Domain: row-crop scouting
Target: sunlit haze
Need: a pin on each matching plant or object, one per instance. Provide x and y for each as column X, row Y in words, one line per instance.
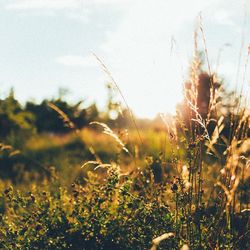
column 146, row 45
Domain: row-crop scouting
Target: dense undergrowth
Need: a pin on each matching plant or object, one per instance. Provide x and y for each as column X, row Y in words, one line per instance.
column 96, row 216
column 118, row 213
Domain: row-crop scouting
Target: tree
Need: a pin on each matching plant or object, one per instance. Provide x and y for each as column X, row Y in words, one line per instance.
column 13, row 117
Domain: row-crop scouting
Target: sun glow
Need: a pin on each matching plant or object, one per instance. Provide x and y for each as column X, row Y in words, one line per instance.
column 147, row 46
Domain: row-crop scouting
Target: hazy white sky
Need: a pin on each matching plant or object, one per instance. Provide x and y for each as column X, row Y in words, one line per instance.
column 47, row 44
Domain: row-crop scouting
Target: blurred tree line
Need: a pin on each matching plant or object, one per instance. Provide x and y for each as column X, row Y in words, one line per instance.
column 21, row 122
column 40, row 117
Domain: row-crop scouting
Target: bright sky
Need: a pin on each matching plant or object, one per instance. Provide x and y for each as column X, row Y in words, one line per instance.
column 47, row 44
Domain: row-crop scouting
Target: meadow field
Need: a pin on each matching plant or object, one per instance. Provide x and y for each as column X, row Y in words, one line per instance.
column 76, row 177
column 81, row 180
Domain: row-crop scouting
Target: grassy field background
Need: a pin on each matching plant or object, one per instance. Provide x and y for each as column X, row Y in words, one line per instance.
column 78, row 178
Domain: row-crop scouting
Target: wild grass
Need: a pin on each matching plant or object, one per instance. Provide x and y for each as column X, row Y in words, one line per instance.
column 184, row 186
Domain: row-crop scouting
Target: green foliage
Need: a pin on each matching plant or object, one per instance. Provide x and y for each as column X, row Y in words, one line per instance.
column 94, row 216
column 48, row 120
column 14, row 118
column 17, row 120
column 117, row 213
